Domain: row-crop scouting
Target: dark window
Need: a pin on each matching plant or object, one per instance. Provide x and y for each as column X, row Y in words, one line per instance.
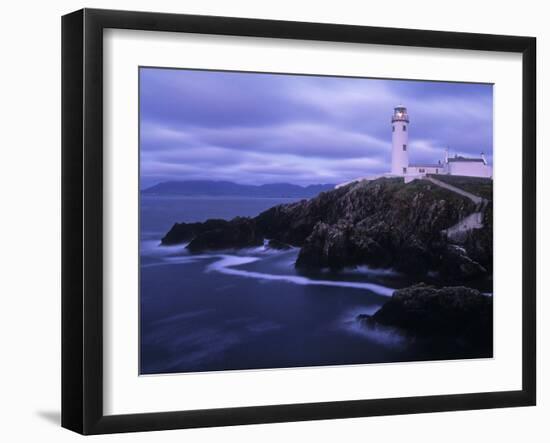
column 404, row 147
column 437, row 171
column 404, row 127
column 421, row 170
column 393, row 128
column 404, row 170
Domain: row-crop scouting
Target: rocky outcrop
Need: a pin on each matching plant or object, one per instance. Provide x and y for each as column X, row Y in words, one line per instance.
column 460, row 314
column 185, row 232
column 379, row 223
column 457, row 266
column 342, row 244
column 239, row 233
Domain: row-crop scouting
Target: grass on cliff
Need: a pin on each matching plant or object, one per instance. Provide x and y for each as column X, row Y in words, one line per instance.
column 406, row 192
column 480, row 186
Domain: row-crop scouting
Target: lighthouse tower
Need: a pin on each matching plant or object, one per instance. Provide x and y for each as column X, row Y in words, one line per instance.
column 400, row 140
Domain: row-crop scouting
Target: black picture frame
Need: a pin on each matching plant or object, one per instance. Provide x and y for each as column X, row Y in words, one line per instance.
column 82, row 219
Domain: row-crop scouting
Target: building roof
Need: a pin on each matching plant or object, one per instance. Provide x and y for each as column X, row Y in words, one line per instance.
column 461, row 159
column 440, row 165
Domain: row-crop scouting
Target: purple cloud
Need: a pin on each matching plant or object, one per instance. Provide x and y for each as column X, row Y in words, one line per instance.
column 264, row 128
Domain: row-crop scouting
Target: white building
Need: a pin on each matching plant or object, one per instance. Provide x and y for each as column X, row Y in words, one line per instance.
column 400, row 166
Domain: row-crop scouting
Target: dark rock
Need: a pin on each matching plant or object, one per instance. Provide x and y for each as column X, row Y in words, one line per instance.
column 240, row 232
column 185, row 232
column 413, row 258
column 457, row 266
column 460, row 313
column 326, row 246
column 276, row 244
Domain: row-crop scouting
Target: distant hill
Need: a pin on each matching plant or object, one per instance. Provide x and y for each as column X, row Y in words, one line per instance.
column 226, row 188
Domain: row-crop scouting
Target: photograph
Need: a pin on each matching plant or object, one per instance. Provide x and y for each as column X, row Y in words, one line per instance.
column 292, row 220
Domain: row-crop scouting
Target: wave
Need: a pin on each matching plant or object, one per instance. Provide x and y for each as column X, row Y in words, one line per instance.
column 383, row 335
column 379, row 334
column 365, row 270
column 226, row 265
column 175, row 260
column 154, row 248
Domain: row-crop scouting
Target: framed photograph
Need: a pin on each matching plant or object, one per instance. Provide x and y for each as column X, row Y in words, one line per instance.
column 269, row 221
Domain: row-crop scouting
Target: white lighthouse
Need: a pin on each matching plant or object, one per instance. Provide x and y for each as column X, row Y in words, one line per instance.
column 400, row 166
column 400, row 140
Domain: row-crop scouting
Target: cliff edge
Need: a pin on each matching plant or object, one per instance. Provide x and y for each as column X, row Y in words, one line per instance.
column 383, row 223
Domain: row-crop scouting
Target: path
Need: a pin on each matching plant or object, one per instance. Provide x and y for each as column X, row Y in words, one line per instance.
column 476, row 199
column 473, row 221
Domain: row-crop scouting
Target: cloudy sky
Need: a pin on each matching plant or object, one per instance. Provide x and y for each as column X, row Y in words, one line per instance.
column 267, row 128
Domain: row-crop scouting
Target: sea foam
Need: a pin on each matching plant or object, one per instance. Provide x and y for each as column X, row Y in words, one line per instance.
column 226, row 265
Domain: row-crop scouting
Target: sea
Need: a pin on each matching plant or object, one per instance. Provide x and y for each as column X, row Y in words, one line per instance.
column 250, row 308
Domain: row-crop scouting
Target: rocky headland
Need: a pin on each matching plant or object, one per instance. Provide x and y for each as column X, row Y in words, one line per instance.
column 383, row 223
